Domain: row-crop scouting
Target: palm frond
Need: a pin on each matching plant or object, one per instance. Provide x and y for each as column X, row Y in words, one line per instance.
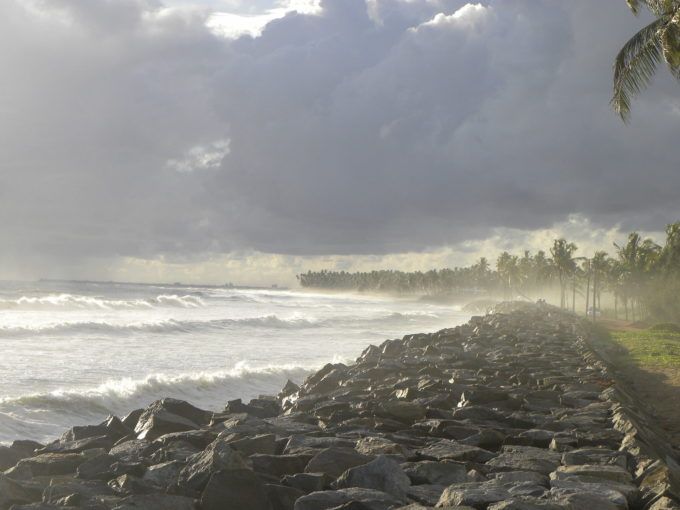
column 635, row 65
column 657, row 7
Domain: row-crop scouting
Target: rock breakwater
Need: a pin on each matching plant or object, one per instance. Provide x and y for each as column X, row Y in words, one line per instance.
column 512, row 411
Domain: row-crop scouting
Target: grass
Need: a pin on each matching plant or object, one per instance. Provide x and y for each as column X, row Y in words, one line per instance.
column 649, row 347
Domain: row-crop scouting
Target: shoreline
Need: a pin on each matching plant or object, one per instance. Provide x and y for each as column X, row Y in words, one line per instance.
column 514, row 408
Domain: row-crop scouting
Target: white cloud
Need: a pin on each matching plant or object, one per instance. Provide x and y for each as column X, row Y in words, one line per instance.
column 202, row 157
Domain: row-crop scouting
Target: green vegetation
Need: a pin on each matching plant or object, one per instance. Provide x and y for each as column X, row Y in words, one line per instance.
column 650, row 347
column 641, row 280
column 637, row 61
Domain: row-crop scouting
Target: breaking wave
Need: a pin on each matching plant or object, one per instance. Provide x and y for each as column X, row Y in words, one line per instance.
column 36, row 416
column 78, row 302
column 186, row 326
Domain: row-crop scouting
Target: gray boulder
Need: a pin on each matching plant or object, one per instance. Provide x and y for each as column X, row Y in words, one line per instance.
column 237, row 489
column 382, row 474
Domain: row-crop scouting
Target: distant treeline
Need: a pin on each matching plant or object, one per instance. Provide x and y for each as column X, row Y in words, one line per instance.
column 641, row 278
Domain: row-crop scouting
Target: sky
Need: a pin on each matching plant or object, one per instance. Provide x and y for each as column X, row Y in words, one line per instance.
column 247, row 141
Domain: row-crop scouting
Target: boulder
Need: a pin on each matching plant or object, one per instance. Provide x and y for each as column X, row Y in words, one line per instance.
column 219, row 456
column 436, row 473
column 477, row 495
column 382, row 474
column 326, row 500
column 48, row 464
column 336, row 460
column 236, row 489
column 279, row 465
column 169, row 415
column 283, row 497
column 453, row 450
column 12, row 492
column 155, row 502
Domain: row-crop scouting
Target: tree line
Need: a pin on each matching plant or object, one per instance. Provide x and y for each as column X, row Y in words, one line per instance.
column 639, row 279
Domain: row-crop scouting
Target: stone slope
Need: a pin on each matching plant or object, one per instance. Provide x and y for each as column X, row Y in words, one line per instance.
column 514, row 410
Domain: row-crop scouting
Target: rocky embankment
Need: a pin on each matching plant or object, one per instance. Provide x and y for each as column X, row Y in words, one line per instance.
column 510, row 411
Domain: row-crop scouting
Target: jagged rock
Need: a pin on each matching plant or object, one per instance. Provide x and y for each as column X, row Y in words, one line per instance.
column 590, row 498
column 472, row 494
column 133, row 451
column 279, row 465
column 436, row 473
column 311, row 444
column 425, row 494
column 336, row 460
column 405, row 412
column 86, row 491
column 8, row 457
column 164, row 475
column 130, row 484
column 325, row 500
column 283, row 497
column 155, row 502
column 12, row 492
column 235, row 490
column 307, row 482
column 512, row 477
column 263, row 443
column 592, row 474
column 382, row 446
column 528, row 458
column 452, row 450
column 169, row 415
column 529, row 504
column 105, row 467
column 48, row 464
column 382, row 474
column 219, row 456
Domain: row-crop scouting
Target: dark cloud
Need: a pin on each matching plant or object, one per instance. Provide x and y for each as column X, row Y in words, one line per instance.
column 371, row 128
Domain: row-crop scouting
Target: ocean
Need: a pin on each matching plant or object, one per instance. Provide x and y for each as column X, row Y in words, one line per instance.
column 72, row 353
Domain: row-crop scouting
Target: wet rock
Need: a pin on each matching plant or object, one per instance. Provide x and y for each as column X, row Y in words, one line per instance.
column 164, row 475
column 235, row 490
column 263, row 444
column 404, row 412
column 312, row 444
column 382, row 446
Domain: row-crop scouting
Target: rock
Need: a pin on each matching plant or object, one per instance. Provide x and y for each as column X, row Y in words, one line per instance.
column 156, row 502
column 326, row 500
column 279, row 465
column 237, row 489
column 452, row 450
column 527, row 458
column 12, row 492
column 477, row 495
column 425, row 494
column 405, row 412
column 48, row 464
column 164, row 475
column 219, row 456
column 307, row 482
column 263, row 443
column 105, row 467
column 283, row 497
column 513, row 477
column 169, row 415
column 86, row 491
column 436, row 473
column 130, row 484
column 310, row 444
column 381, row 446
column 592, row 474
column 336, row 460
column 8, row 458
column 528, row 504
column 382, row 474
column 133, row 451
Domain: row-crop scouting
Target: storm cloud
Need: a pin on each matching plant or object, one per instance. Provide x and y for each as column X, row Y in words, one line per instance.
column 132, row 129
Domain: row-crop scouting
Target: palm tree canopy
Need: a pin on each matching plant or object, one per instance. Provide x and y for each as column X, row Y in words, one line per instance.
column 637, row 61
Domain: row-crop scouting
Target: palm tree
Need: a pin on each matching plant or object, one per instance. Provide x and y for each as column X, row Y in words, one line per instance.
column 637, row 60
column 562, row 253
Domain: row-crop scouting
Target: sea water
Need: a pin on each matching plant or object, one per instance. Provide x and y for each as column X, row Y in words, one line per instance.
column 72, row 353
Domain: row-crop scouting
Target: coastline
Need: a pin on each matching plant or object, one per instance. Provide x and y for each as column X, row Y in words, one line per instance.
column 509, row 411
